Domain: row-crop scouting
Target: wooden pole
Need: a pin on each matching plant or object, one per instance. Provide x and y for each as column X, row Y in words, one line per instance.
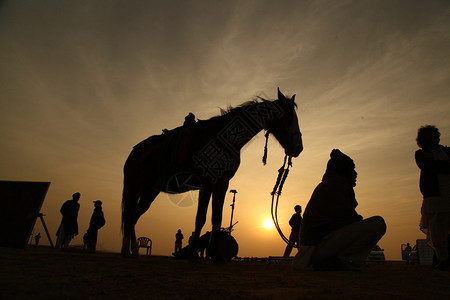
column 232, row 208
column 41, row 216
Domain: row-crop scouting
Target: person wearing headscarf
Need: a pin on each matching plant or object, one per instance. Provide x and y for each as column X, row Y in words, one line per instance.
column 68, row 228
column 433, row 160
column 333, row 236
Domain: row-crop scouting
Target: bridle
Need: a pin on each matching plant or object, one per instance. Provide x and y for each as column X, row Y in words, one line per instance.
column 277, row 189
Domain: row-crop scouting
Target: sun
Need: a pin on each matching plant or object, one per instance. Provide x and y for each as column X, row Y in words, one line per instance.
column 268, row 224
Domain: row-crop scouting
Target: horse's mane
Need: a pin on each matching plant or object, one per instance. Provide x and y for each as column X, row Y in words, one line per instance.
column 231, row 110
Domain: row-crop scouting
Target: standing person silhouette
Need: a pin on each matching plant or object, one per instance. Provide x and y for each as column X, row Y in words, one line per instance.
column 69, row 225
column 97, row 222
column 333, row 236
column 178, row 240
column 408, row 250
column 295, row 222
column 37, row 237
column 433, row 160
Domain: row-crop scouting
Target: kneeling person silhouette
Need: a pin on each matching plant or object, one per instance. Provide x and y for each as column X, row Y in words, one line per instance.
column 333, row 236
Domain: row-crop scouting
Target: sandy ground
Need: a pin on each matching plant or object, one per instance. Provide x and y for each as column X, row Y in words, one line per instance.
column 45, row 273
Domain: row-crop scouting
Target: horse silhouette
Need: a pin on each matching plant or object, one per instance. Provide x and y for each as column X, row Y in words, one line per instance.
column 202, row 156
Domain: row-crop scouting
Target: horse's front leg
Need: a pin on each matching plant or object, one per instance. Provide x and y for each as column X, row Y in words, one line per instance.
column 129, row 240
column 202, row 208
column 128, row 237
column 217, row 212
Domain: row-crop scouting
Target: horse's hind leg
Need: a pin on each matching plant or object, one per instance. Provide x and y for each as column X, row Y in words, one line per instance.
column 146, row 199
column 218, row 198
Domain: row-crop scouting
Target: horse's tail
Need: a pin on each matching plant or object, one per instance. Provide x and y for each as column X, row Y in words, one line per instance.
column 132, row 180
column 130, row 192
column 123, row 207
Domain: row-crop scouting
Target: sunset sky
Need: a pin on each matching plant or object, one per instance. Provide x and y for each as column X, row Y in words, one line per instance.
column 82, row 82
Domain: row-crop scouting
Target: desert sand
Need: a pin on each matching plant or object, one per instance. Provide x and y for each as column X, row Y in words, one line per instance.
column 46, row 273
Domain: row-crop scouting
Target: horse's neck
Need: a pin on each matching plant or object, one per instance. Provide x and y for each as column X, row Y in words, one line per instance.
column 240, row 126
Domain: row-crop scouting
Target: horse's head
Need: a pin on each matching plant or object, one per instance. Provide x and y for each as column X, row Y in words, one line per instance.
column 285, row 128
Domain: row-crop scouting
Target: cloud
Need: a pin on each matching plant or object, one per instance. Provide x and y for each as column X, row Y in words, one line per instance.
column 85, row 81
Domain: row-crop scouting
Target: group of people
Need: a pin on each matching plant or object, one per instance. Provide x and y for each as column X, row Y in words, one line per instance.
column 333, row 236
column 68, row 228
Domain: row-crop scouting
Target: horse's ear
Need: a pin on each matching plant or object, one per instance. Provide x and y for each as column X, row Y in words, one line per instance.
column 280, row 95
column 293, row 98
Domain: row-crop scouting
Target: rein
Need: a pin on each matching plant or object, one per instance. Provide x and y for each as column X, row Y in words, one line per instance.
column 282, row 175
column 264, row 159
column 281, row 178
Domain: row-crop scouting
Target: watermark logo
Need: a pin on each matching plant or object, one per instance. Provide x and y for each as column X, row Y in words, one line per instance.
column 224, row 149
column 182, row 189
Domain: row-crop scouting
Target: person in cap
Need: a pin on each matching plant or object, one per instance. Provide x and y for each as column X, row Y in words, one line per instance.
column 333, row 236
column 97, row 222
